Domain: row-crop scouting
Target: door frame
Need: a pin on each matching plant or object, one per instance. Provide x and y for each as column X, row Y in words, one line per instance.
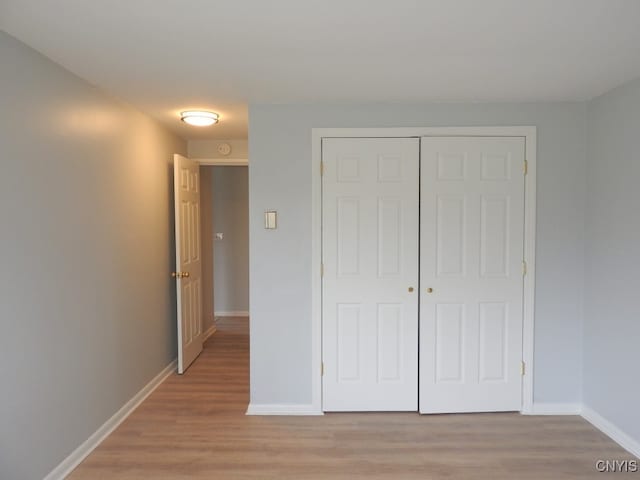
column 222, row 162
column 529, row 133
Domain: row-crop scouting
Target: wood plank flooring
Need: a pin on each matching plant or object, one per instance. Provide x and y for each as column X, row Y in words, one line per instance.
column 194, row 427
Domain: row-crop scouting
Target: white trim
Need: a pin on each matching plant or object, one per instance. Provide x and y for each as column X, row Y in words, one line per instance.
column 232, row 313
column 222, row 162
column 555, row 409
column 80, row 453
column 605, row 426
column 284, row 409
column 528, row 132
column 316, row 273
column 210, row 331
column 403, row 132
column 529, row 286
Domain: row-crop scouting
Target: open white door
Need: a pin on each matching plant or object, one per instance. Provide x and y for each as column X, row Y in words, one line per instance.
column 370, row 282
column 188, row 260
column 471, row 274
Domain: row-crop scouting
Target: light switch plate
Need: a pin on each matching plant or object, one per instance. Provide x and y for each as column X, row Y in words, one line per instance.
column 270, row 219
column 219, row 236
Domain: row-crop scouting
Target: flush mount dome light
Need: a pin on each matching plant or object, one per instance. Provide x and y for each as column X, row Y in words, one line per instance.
column 199, row 118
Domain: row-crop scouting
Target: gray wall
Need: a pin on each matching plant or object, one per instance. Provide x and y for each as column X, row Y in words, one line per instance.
column 612, row 310
column 280, row 178
column 231, row 254
column 87, row 301
column 206, row 244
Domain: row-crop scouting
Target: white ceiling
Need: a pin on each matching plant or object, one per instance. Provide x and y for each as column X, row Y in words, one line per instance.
column 167, row 55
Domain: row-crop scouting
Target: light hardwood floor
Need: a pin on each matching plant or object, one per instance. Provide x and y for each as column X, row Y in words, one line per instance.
column 193, row 427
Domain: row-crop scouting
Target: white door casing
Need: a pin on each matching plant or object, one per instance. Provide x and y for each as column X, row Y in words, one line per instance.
column 471, row 274
column 370, row 247
column 188, row 272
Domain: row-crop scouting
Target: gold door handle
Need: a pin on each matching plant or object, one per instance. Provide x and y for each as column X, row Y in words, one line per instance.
column 429, row 290
column 410, row 289
column 180, row 274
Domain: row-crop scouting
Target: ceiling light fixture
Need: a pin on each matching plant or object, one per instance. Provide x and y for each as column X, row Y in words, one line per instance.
column 199, row 118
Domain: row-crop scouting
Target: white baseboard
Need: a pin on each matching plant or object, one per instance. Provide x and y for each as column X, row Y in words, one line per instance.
column 233, row 313
column 80, row 453
column 605, row 426
column 284, row 409
column 208, row 332
column 556, row 409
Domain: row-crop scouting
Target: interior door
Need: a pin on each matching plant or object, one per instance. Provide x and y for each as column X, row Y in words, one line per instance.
column 370, row 261
column 188, row 272
column 471, row 274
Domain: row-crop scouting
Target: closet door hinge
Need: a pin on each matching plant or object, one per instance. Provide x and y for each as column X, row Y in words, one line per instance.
column 321, row 169
column 522, row 368
column 524, row 268
column 322, row 369
column 526, row 167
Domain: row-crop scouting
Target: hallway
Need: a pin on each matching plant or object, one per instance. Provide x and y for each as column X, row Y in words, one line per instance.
column 193, row 426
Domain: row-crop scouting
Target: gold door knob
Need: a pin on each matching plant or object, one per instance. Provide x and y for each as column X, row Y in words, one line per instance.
column 410, row 289
column 429, row 290
column 179, row 274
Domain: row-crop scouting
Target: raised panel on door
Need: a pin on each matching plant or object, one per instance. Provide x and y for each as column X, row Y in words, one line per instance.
column 492, row 345
column 450, row 343
column 348, row 340
column 370, row 257
column 471, row 253
column 389, row 237
column 390, row 343
column 348, row 236
column 450, row 226
column 495, row 230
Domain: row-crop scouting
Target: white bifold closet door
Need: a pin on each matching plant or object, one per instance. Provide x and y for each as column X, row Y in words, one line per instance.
column 370, row 282
column 471, row 274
